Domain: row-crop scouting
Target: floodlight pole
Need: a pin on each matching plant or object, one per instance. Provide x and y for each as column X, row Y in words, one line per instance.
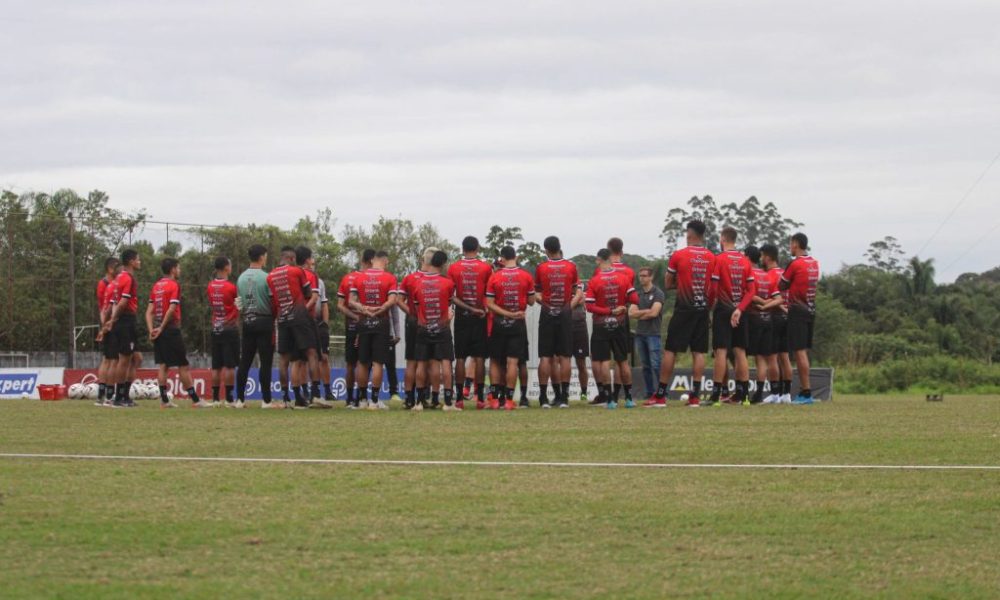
column 72, row 295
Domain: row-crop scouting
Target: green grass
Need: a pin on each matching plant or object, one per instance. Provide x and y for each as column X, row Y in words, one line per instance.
column 79, row 529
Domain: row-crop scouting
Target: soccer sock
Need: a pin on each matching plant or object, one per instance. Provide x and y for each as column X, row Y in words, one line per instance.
column 410, row 396
column 509, row 393
column 481, row 391
column 617, row 390
column 716, row 390
column 228, row 393
column 109, row 393
column 315, row 389
column 215, row 393
column 101, row 390
column 327, row 391
column 696, row 389
column 776, row 388
column 742, row 389
column 163, row 394
column 468, row 383
column 362, row 393
column 628, row 391
column 661, row 390
column 544, row 395
column 284, row 393
column 524, row 393
column 435, row 398
column 427, row 394
column 565, row 391
column 494, row 390
column 759, row 394
column 193, row 395
column 786, row 386
column 128, row 390
column 298, row 393
column 447, row 397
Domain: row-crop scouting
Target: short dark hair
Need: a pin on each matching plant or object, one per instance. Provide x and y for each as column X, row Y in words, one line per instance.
column 551, row 244
column 728, row 234
column 697, row 227
column 753, row 253
column 470, row 244
column 167, row 265
column 439, row 259
column 128, row 255
column 508, row 253
column 287, row 252
column 367, row 256
column 802, row 240
column 381, row 254
column 256, row 252
column 770, row 251
column 302, row 254
column 221, row 262
column 109, row 262
column 616, row 245
column 646, row 270
column 604, row 254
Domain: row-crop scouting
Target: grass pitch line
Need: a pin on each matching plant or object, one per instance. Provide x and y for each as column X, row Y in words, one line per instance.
column 484, row 463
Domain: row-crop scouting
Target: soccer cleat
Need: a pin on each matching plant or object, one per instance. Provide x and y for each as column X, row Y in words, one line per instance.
column 802, row 400
column 272, row 405
column 563, row 403
column 629, row 403
column 167, row 405
column 215, row 403
column 545, row 405
column 452, row 408
column 524, row 403
column 772, row 399
column 494, row 403
column 598, row 401
column 288, row 404
column 480, row 405
column 321, row 403
column 418, row 407
column 655, row 403
column 301, row 405
column 230, row 404
column 466, row 391
column 369, row 405
column 709, row 402
column 746, row 402
column 509, row 405
column 611, row 405
column 99, row 403
column 108, row 403
column 460, row 404
column 693, row 402
column 381, row 405
column 785, row 399
column 202, row 404
column 583, row 397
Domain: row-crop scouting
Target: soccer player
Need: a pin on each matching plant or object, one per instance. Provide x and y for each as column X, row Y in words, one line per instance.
column 617, row 249
column 351, row 320
column 760, row 324
column 318, row 307
column 800, row 279
column 509, row 292
column 107, row 343
column 470, row 274
column 609, row 293
column 290, row 290
column 647, row 332
column 581, row 345
column 559, row 284
column 732, row 291
column 688, row 270
column 258, row 326
column 433, row 295
column 222, row 295
column 373, row 295
column 780, row 367
column 163, row 320
column 415, row 375
column 122, row 326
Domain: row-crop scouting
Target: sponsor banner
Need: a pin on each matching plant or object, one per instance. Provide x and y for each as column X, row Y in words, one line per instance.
column 821, row 379
column 23, row 383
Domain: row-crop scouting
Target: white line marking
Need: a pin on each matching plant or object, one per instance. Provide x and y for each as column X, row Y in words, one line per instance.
column 485, row 463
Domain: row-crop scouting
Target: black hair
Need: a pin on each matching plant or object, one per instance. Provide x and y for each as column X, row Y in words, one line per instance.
column 552, row 245
column 167, row 265
column 770, row 251
column 302, row 254
column 381, row 254
column 697, row 227
column 470, row 244
column 508, row 253
column 802, row 240
column 753, row 253
column 110, row 261
column 287, row 252
column 367, row 256
column 256, row 252
column 439, row 259
column 604, row 254
column 128, row 255
column 616, row 245
column 221, row 262
column 728, row 234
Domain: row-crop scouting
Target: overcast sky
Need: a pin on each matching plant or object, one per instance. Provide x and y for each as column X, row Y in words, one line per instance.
column 583, row 119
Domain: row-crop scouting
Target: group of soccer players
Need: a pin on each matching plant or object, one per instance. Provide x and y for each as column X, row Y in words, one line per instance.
column 458, row 316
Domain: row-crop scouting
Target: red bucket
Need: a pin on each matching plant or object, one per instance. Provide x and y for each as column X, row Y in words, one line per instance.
column 50, row 392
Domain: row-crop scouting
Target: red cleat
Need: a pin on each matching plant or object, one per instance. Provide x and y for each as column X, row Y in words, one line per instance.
column 655, row 403
column 509, row 405
column 492, row 402
column 693, row 402
column 460, row 404
column 480, row 405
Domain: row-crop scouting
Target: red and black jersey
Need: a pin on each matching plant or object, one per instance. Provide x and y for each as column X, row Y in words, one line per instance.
column 289, row 290
column 774, row 275
column 622, row 268
column 470, row 276
column 313, row 280
column 111, row 296
column 733, row 284
column 102, row 288
column 692, row 269
column 222, row 295
column 606, row 291
column 344, row 292
column 374, row 287
column 408, row 290
column 510, row 288
column 767, row 288
column 166, row 292
column 432, row 295
column 802, row 277
column 557, row 280
column 125, row 283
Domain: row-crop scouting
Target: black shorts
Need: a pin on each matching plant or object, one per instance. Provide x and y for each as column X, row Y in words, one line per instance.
column 323, row 338
column 168, row 348
column 609, row 343
column 510, row 341
column 109, row 346
column 410, row 339
column 581, row 341
column 435, row 345
column 351, row 344
column 779, row 333
column 470, row 337
column 688, row 329
column 373, row 345
column 225, row 349
column 761, row 335
column 555, row 333
column 125, row 335
column 297, row 335
column 724, row 335
column 801, row 323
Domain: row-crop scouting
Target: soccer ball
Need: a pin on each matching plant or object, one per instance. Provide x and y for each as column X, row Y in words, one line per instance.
column 685, row 397
column 152, row 390
column 76, row 391
column 91, row 391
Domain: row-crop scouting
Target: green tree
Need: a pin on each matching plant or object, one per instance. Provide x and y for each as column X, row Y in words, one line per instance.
column 885, row 255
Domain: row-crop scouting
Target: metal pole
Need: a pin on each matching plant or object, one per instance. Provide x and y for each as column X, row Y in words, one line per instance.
column 72, row 294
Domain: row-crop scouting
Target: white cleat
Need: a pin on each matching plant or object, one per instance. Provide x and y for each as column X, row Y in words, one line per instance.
column 239, row 404
column 370, row 405
column 321, row 403
column 772, row 399
column 167, row 405
column 418, row 407
column 272, row 405
column 202, row 404
column 381, row 405
column 451, row 408
column 785, row 399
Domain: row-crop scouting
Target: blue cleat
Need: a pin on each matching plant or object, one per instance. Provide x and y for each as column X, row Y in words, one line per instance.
column 611, row 405
column 630, row 403
column 800, row 400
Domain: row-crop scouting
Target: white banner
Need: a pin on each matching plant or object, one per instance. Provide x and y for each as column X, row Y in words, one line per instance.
column 23, row 383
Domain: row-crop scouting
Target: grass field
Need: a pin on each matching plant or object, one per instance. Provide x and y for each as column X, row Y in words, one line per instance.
column 79, row 529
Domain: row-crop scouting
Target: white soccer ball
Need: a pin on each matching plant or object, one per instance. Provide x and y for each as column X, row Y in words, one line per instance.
column 76, row 391
column 152, row 391
column 92, row 390
column 25, row 396
column 136, row 391
column 685, row 397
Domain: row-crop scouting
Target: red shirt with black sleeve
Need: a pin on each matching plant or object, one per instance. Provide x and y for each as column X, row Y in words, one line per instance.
column 606, row 291
column 775, row 276
column 733, row 284
column 510, row 288
column 111, row 297
column 289, row 289
column 802, row 277
column 408, row 290
column 344, row 291
column 222, row 295
column 127, row 289
column 313, row 280
column 622, row 268
column 166, row 292
column 557, row 280
column 373, row 287
column 692, row 269
column 432, row 295
column 470, row 276
column 102, row 288
column 767, row 289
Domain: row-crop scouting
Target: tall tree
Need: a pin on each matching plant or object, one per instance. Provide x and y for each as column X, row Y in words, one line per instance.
column 886, row 255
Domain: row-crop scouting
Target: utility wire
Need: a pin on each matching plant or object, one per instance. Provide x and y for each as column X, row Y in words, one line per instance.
column 959, row 204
